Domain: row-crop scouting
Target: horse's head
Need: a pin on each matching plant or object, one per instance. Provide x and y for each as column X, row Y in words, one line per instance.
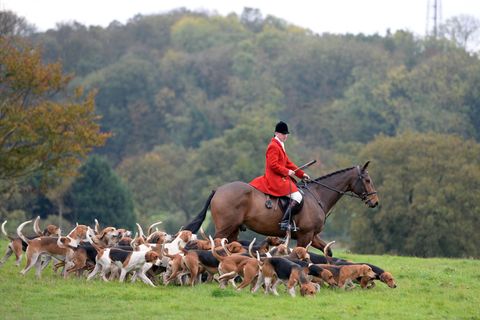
column 363, row 187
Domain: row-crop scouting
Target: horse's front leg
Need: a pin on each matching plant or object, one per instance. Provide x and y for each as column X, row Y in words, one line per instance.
column 320, row 244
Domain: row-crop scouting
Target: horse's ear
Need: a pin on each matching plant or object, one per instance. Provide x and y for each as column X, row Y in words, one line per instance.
column 365, row 165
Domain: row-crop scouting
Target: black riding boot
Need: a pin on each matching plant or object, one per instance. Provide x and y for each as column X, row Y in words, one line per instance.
column 285, row 223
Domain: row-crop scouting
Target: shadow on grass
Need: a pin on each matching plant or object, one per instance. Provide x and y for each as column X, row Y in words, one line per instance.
column 220, row 293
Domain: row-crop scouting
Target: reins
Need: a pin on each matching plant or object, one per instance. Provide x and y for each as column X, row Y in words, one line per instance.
column 363, row 197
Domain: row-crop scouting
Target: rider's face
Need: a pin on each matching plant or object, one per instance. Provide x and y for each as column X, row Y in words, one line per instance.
column 283, row 137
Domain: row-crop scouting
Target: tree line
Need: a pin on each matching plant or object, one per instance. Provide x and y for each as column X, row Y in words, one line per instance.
column 186, row 101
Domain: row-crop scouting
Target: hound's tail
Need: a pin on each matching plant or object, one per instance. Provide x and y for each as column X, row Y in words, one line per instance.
column 19, row 231
column 90, row 240
column 150, row 229
column 5, row 232
column 325, row 251
column 214, row 252
column 36, row 227
column 196, row 223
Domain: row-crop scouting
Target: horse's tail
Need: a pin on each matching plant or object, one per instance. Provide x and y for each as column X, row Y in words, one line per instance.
column 196, row 223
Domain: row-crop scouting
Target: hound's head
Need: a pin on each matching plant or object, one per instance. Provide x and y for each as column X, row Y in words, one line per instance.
column 153, row 257
column 79, row 232
column 198, row 245
column 65, row 242
column 138, row 241
column 110, row 235
column 186, row 235
column 301, row 253
column 235, row 247
column 387, row 278
column 367, row 271
column 327, row 276
column 159, row 237
column 274, row 241
column 309, row 289
column 51, row 229
column 280, row 250
column 124, row 233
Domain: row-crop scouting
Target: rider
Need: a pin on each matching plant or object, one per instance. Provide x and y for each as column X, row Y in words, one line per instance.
column 278, row 169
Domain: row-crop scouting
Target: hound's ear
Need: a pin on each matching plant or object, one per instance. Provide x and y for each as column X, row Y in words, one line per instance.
column 365, row 165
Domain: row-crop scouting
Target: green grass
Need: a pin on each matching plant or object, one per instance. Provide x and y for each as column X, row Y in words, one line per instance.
column 427, row 289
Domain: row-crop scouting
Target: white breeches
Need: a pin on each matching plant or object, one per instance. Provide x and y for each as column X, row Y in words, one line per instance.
column 297, row 196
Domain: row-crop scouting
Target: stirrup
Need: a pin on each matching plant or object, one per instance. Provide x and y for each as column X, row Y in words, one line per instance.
column 285, row 225
column 269, row 203
column 294, row 227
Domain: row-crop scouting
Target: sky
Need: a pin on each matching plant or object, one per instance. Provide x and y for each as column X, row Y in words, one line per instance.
column 332, row 16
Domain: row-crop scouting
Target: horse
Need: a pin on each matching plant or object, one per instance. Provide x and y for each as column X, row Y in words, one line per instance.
column 237, row 204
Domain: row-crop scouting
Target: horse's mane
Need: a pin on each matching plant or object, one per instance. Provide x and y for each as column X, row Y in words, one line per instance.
column 333, row 173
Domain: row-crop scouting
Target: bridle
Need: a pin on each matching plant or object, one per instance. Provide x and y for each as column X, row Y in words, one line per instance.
column 361, row 178
column 364, row 196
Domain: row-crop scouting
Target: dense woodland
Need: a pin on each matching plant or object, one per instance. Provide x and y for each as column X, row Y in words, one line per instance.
column 188, row 101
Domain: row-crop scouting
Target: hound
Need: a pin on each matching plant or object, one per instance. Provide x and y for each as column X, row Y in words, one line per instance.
column 17, row 246
column 181, row 240
column 367, row 282
column 321, row 275
column 345, row 274
column 175, row 269
column 51, row 229
column 279, row 269
column 126, row 261
column 60, row 248
column 234, row 265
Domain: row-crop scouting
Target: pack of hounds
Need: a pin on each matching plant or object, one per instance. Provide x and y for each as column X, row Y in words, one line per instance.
column 183, row 259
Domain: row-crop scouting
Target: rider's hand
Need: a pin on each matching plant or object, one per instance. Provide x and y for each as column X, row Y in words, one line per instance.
column 291, row 173
column 306, row 177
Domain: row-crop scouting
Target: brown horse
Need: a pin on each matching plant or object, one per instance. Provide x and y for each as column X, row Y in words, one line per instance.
column 237, row 203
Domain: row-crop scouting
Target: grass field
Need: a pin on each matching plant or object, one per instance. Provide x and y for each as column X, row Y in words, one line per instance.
column 427, row 289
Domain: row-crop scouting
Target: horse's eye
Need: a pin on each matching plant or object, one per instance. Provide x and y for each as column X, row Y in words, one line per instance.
column 367, row 180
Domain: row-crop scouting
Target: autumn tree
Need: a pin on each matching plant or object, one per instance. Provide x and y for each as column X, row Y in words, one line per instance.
column 44, row 129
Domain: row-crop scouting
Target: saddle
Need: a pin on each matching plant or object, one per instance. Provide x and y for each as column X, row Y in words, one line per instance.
column 283, row 202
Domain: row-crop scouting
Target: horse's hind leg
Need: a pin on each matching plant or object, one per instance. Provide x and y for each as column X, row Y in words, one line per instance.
column 229, row 231
column 234, row 235
column 320, row 244
column 303, row 239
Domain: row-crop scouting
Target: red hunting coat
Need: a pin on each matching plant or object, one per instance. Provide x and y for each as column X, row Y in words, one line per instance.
column 276, row 181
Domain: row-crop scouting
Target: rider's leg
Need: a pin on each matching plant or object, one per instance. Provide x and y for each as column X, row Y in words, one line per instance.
column 295, row 199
